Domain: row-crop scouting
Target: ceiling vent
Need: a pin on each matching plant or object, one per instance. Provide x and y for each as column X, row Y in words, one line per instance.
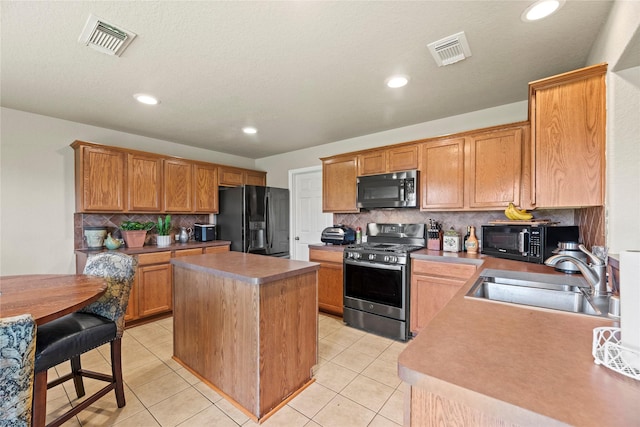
column 450, row 49
column 105, row 37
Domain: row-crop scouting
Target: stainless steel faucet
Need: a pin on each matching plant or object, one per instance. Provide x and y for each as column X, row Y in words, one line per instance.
column 594, row 272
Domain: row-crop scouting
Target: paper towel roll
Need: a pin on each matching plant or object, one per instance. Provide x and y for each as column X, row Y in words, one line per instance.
column 630, row 304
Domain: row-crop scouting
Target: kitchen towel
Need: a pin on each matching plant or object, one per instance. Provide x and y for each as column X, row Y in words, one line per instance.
column 630, row 305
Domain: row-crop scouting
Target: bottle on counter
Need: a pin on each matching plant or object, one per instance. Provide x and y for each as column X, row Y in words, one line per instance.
column 358, row 235
column 464, row 241
column 472, row 241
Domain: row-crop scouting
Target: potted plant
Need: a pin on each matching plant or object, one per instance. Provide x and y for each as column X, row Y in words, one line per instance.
column 163, row 227
column 134, row 233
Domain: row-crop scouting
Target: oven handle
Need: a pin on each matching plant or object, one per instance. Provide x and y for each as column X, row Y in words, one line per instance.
column 396, row 267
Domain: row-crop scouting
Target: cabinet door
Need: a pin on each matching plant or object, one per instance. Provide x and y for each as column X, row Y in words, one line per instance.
column 442, row 174
column 154, row 289
column 255, row 178
column 330, row 288
column 403, row 158
column 132, row 307
column 372, row 162
column 429, row 295
column 568, row 115
column 339, row 187
column 206, row 188
column 144, row 178
column 99, row 179
column 178, row 186
column 230, row 177
column 494, row 169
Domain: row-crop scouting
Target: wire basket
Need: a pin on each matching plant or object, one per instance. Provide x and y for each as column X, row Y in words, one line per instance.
column 608, row 350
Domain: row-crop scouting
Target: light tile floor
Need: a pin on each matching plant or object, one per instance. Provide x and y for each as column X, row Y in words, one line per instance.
column 356, row 385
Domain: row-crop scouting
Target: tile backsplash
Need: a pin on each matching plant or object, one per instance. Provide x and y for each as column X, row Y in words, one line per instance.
column 113, row 221
column 460, row 220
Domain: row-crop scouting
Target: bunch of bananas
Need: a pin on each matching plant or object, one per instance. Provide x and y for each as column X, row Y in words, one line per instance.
column 517, row 214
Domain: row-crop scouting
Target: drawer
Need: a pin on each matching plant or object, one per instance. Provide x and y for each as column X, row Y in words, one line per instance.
column 188, row 252
column 216, row 249
column 320, row 255
column 154, row 258
column 446, row 269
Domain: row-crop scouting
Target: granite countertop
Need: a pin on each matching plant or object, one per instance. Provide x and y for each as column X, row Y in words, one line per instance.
column 250, row 268
column 525, row 365
column 154, row 248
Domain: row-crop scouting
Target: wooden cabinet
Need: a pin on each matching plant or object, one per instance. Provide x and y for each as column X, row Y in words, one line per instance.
column 442, row 174
column 178, row 186
column 372, row 162
column 100, row 179
column 233, row 177
column 568, row 118
column 216, row 249
column 205, row 183
column 433, row 284
column 494, row 168
column 187, row 252
column 144, row 183
column 477, row 170
column 339, row 184
column 152, row 288
column 394, row 159
column 330, row 279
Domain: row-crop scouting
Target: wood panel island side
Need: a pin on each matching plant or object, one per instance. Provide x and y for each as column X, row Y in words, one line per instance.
column 247, row 325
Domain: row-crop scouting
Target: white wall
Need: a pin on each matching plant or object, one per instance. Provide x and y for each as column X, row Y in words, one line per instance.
column 37, row 199
column 623, row 125
column 277, row 167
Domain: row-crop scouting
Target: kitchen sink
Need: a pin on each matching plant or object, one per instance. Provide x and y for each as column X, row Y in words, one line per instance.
column 555, row 292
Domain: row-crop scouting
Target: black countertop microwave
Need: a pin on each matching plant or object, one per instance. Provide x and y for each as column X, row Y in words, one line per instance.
column 528, row 243
column 389, row 190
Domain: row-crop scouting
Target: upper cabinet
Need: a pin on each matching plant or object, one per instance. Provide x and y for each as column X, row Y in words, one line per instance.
column 442, row 174
column 339, row 185
column 100, row 179
column 478, row 170
column 112, row 179
column 568, row 117
column 178, row 186
column 144, row 183
column 234, row 177
column 393, row 159
column 205, row 179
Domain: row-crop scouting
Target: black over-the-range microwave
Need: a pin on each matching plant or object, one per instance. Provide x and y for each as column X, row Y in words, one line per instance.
column 389, row 190
column 528, row 243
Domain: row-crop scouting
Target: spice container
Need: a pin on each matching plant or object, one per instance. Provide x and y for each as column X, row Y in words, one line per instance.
column 451, row 241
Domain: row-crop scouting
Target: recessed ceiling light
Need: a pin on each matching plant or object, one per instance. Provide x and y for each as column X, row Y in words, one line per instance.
column 541, row 9
column 146, row 99
column 249, row 130
column 397, row 81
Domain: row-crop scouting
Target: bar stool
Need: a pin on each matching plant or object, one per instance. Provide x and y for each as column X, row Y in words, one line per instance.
column 70, row 336
column 17, row 351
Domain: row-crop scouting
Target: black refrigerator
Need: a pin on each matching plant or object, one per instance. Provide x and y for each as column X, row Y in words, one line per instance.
column 255, row 219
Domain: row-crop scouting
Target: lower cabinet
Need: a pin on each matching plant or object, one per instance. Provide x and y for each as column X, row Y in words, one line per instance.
column 151, row 292
column 433, row 284
column 330, row 277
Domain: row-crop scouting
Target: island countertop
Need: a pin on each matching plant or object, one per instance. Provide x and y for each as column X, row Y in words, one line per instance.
column 250, row 268
column 522, row 365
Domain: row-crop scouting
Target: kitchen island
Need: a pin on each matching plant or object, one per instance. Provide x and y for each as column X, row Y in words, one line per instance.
column 486, row 363
column 247, row 325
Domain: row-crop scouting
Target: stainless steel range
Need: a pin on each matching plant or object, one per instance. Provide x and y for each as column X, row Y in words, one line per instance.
column 376, row 279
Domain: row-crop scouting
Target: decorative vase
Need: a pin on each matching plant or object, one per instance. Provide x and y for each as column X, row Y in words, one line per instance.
column 163, row 240
column 134, row 238
column 111, row 243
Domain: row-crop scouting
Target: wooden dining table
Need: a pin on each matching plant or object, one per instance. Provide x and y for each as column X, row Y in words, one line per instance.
column 48, row 296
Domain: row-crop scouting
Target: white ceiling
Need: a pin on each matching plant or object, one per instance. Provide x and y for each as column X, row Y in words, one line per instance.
column 304, row 73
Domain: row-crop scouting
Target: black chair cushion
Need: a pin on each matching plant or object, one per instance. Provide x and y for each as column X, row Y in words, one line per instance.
column 70, row 336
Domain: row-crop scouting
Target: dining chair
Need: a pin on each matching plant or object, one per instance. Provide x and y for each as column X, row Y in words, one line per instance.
column 17, row 352
column 70, row 336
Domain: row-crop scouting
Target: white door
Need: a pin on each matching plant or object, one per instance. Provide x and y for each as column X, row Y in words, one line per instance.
column 307, row 218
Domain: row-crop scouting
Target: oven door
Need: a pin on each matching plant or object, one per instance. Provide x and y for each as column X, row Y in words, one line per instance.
column 376, row 288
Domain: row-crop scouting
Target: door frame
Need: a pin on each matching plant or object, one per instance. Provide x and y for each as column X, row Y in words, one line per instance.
column 293, row 214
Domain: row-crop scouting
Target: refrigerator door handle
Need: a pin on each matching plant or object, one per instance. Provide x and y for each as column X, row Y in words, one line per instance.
column 268, row 225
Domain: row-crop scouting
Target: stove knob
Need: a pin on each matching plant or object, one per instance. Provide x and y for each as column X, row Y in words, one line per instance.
column 393, row 258
column 387, row 258
column 356, row 255
column 372, row 257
